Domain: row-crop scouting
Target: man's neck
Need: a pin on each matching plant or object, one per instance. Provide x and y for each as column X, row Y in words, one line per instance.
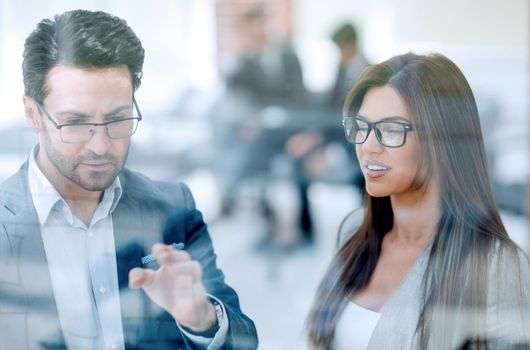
column 83, row 207
column 346, row 55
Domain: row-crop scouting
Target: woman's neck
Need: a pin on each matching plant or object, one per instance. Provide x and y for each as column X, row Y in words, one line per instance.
column 416, row 215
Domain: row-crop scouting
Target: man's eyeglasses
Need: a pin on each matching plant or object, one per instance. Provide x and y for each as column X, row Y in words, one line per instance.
column 82, row 132
column 389, row 133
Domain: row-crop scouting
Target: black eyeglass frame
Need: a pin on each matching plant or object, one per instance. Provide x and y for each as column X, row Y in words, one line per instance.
column 372, row 126
column 60, row 126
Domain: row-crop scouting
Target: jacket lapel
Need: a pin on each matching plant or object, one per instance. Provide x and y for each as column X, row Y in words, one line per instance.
column 23, row 231
column 133, row 238
column 137, row 224
column 400, row 313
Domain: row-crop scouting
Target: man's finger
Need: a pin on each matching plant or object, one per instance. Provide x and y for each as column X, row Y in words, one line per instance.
column 166, row 254
column 139, row 277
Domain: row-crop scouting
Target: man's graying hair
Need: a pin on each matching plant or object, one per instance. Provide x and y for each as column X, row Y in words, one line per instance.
column 79, row 38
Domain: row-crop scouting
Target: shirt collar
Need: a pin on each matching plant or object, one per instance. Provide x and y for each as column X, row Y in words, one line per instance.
column 45, row 196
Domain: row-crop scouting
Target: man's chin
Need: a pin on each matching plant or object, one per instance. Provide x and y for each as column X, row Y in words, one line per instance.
column 92, row 187
column 95, row 183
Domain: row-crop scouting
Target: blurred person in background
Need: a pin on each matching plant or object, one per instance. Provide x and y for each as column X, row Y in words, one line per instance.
column 263, row 85
column 264, row 72
column 351, row 63
column 265, row 69
column 76, row 223
column 313, row 151
column 428, row 264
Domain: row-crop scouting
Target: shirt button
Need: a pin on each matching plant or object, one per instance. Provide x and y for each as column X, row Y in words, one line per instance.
column 113, row 346
column 90, row 234
column 102, row 290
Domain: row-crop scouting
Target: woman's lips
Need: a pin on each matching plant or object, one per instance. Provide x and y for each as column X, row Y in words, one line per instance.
column 375, row 169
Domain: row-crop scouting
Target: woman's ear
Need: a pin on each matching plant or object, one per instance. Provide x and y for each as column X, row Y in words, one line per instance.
column 33, row 117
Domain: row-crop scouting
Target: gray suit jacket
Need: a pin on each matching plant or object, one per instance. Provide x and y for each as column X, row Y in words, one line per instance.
column 28, row 313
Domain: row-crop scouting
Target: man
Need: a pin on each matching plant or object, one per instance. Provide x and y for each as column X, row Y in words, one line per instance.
column 351, row 64
column 262, row 74
column 76, row 223
column 320, row 155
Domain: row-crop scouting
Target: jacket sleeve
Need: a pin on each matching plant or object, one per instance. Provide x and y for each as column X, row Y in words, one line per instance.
column 188, row 226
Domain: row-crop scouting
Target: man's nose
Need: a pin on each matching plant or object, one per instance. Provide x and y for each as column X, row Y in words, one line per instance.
column 100, row 142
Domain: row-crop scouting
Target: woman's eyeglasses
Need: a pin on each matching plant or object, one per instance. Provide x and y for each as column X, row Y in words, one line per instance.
column 389, row 133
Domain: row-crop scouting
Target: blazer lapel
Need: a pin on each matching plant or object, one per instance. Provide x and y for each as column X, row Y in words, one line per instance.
column 137, row 224
column 23, row 231
column 133, row 238
column 400, row 313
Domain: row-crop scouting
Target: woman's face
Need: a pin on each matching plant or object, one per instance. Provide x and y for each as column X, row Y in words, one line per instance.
column 387, row 171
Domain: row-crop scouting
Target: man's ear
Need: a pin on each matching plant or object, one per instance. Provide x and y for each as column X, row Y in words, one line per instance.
column 33, row 117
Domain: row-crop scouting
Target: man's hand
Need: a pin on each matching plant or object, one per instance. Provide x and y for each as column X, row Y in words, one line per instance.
column 177, row 287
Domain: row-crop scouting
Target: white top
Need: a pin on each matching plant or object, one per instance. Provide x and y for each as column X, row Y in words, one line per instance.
column 355, row 327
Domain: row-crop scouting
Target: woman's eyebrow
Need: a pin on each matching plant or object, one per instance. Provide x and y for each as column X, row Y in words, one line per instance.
column 390, row 118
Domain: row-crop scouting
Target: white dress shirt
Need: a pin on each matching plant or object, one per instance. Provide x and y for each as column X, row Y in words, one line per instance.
column 83, row 271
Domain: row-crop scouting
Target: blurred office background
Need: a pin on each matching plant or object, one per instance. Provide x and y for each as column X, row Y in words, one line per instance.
column 236, row 136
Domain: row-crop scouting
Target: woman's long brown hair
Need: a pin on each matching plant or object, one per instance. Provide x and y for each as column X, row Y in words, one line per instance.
column 444, row 113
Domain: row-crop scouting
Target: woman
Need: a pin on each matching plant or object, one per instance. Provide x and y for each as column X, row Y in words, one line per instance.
column 430, row 265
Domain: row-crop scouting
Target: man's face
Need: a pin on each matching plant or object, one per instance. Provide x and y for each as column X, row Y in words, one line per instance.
column 84, row 95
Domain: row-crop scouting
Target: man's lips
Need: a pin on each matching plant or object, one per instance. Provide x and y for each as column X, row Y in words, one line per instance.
column 97, row 165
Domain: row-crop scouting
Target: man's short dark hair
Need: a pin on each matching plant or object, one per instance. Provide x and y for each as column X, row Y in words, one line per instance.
column 83, row 39
column 254, row 13
column 346, row 34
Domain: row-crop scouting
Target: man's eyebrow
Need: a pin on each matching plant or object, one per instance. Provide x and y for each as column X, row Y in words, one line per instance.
column 70, row 113
column 394, row 118
column 118, row 109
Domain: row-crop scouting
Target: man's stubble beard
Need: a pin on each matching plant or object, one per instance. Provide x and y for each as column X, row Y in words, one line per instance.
column 69, row 171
